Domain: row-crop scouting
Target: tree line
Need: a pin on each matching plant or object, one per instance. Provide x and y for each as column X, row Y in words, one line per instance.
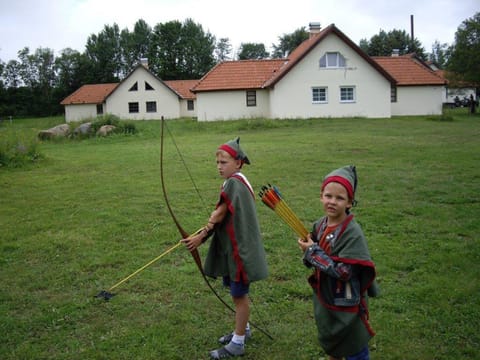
column 35, row 84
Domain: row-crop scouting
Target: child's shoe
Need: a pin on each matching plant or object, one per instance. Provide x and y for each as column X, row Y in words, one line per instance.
column 225, row 339
column 229, row 350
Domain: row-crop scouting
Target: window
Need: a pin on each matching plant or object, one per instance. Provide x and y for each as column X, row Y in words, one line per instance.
column 133, row 107
column 251, row 98
column 393, row 94
column 99, row 109
column 319, row 95
column 151, row 106
column 190, row 105
column 134, row 87
column 347, row 94
column 332, row 60
column 148, row 86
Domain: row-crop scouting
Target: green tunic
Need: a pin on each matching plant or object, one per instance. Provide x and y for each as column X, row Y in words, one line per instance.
column 342, row 320
column 236, row 249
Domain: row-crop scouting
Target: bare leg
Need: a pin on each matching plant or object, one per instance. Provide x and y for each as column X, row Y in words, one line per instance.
column 242, row 313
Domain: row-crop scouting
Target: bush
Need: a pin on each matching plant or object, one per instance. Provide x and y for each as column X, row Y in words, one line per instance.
column 122, row 127
column 16, row 151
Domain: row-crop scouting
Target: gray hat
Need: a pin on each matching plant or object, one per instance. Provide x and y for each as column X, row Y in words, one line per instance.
column 346, row 176
column 233, row 148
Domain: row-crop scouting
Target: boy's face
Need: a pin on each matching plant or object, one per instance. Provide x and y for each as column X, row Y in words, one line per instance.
column 227, row 165
column 335, row 202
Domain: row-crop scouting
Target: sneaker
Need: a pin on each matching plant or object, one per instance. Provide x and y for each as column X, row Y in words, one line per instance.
column 225, row 339
column 230, row 350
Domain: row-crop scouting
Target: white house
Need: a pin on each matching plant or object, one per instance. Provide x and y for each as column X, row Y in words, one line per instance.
column 325, row 76
column 419, row 90
column 140, row 96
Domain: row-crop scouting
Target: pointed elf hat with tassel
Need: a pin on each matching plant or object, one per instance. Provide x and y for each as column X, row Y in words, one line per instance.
column 233, row 148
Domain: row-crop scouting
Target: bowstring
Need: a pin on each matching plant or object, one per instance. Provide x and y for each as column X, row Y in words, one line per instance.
column 187, row 168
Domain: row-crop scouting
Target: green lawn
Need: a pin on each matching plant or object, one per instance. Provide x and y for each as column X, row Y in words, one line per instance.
column 91, row 212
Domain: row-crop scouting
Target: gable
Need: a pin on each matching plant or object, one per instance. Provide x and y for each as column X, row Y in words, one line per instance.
column 260, row 74
column 141, row 80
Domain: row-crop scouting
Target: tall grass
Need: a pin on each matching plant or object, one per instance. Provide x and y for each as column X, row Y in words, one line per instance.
column 91, row 212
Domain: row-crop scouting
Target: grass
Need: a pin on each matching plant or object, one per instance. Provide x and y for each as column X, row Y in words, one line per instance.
column 91, row 212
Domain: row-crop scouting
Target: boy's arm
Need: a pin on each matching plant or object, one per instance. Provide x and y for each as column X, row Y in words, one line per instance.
column 217, row 215
column 316, row 256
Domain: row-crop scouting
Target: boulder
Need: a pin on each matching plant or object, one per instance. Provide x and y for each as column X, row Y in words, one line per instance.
column 83, row 129
column 106, row 130
column 62, row 130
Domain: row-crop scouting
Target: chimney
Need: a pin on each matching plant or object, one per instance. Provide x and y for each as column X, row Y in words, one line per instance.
column 314, row 28
column 412, row 35
column 144, row 62
column 395, row 52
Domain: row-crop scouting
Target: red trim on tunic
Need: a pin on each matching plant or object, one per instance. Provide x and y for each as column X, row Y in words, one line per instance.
column 240, row 275
column 245, row 183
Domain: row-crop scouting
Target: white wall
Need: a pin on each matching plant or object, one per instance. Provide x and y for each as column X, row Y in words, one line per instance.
column 292, row 96
column 78, row 112
column 168, row 104
column 184, row 112
column 230, row 105
column 418, row 100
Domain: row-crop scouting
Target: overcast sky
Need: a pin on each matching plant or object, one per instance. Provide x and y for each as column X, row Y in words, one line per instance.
column 58, row 24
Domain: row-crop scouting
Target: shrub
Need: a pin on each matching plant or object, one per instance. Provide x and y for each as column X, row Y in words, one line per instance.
column 125, row 127
column 17, row 151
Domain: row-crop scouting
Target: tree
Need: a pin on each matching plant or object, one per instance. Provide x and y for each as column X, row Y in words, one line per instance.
column 105, row 54
column 135, row 45
column 289, row 42
column 254, row 51
column 181, row 51
column 439, row 54
column 465, row 52
column 37, row 72
column 11, row 74
column 384, row 43
column 223, row 49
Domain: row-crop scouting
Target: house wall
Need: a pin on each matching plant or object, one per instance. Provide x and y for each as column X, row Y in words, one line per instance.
column 184, row 112
column 292, row 95
column 78, row 112
column 230, row 105
column 168, row 104
column 418, row 100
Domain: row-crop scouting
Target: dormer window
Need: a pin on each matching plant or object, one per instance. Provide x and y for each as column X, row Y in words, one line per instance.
column 332, row 60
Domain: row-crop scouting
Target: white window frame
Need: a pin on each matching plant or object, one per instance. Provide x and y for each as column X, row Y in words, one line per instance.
column 332, row 60
column 350, row 96
column 316, row 97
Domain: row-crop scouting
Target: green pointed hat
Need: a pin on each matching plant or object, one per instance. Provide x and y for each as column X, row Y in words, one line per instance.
column 346, row 176
column 233, row 148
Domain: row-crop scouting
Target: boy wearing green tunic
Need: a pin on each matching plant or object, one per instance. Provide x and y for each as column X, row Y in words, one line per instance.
column 344, row 272
column 236, row 251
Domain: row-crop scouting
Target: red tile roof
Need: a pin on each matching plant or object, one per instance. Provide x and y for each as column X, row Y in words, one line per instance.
column 408, row 71
column 89, row 94
column 258, row 74
column 182, row 88
column 239, row 75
